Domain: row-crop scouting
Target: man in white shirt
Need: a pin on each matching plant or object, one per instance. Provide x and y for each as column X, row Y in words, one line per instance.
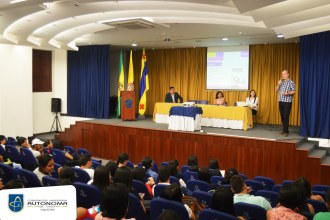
column 241, row 191
column 85, row 162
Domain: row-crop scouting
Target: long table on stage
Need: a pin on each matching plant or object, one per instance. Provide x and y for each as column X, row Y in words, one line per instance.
column 232, row 117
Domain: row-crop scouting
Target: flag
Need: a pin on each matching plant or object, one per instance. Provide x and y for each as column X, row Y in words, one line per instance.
column 144, row 84
column 120, row 82
column 130, row 80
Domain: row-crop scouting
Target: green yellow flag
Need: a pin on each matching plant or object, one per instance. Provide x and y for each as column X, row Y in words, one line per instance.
column 130, row 80
column 120, row 82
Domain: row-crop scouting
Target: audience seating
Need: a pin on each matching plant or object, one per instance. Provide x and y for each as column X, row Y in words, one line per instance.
column 216, row 180
column 82, row 151
column 11, row 141
column 49, row 181
column 250, row 211
column 254, row 185
column 287, row 182
column 158, row 189
column 140, row 187
column 317, row 205
column 189, row 175
column 135, row 209
column 204, row 102
column 13, row 153
column 277, row 187
column 3, row 152
column 184, row 168
column 158, row 205
column 29, row 178
column 319, row 187
column 268, row 183
column 80, row 175
column 211, row 214
column 204, row 197
column 320, row 193
column 130, row 164
column 7, row 173
column 87, row 195
column 55, row 171
column 308, row 215
column 162, row 164
column 59, row 156
column 173, row 179
column 243, row 176
column 197, row 185
column 27, row 159
column 272, row 197
column 95, row 164
column 70, row 149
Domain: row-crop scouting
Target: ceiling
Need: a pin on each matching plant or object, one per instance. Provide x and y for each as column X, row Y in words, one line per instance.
column 66, row 24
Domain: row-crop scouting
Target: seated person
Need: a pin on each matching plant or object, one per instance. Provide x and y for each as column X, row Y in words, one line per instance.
column 22, row 142
column 139, row 174
column 65, row 176
column 204, row 175
column 228, row 175
column 214, row 168
column 252, row 101
column 173, row 192
column 174, row 165
column 85, row 162
column 163, row 177
column 101, row 178
column 308, row 189
column 172, row 96
column 114, row 202
column 112, row 167
column 46, row 166
column 3, row 141
column 147, row 164
column 305, row 207
column 219, row 99
column 36, row 147
column 241, row 191
column 324, row 215
column 122, row 160
column 289, row 200
column 49, row 145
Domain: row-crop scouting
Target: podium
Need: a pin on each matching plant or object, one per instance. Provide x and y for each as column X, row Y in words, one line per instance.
column 128, row 105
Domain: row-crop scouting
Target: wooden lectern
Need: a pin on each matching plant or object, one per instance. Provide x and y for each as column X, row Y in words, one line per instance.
column 128, row 105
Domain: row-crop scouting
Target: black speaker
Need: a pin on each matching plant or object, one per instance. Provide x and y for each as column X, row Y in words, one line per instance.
column 56, row 105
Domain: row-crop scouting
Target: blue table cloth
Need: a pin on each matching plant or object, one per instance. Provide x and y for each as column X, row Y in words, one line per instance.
column 186, row 111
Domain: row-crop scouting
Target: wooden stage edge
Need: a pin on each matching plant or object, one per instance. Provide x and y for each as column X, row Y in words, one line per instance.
column 278, row 160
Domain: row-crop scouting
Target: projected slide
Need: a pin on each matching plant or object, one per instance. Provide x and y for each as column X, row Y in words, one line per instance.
column 228, row 68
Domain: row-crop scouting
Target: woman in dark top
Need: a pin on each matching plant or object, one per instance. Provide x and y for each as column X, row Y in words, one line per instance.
column 101, row 178
column 214, row 168
column 228, row 174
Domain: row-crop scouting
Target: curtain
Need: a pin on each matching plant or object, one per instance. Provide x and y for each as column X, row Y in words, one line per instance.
column 315, row 85
column 89, row 82
column 185, row 69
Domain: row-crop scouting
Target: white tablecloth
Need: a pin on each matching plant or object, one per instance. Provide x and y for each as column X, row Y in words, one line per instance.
column 182, row 123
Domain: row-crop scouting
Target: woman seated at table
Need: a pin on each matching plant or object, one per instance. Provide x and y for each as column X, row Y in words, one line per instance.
column 252, row 102
column 219, row 99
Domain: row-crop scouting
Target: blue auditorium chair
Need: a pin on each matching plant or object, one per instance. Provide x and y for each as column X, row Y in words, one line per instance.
column 87, row 195
column 173, row 179
column 140, row 187
column 11, row 141
column 28, row 160
column 317, row 205
column 277, row 187
column 189, row 175
column 254, row 185
column 7, row 173
column 194, row 101
column 49, row 181
column 216, row 180
column 250, row 211
column 135, row 209
column 70, row 149
column 59, row 156
column 211, row 214
column 80, row 175
column 197, row 185
column 271, row 196
column 82, row 151
column 202, row 102
column 319, row 187
column 243, row 176
column 320, row 193
column 163, row 164
column 95, row 164
column 184, row 168
column 29, row 178
column 13, row 154
column 55, row 171
column 204, row 197
column 3, row 152
column 284, row 182
column 158, row 205
column 268, row 183
column 158, row 189
column 130, row 164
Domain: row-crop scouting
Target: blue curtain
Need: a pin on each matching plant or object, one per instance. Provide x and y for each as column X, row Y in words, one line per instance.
column 89, row 82
column 315, row 85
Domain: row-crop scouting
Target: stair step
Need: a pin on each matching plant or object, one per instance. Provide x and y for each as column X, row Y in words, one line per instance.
column 317, row 153
column 306, row 146
column 326, row 161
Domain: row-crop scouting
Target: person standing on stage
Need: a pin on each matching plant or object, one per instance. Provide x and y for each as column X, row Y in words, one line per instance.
column 286, row 88
column 173, row 97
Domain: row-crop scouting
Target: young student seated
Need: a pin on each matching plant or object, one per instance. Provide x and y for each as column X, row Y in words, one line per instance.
column 324, row 215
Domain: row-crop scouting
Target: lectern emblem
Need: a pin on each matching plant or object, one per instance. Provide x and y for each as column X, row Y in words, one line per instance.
column 128, row 103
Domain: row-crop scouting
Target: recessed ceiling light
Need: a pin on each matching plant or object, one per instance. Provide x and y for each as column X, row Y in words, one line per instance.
column 134, row 44
column 280, row 35
column 17, row 1
column 240, row 32
column 225, row 38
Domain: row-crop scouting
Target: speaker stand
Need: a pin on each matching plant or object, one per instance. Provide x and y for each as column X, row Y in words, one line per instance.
column 57, row 124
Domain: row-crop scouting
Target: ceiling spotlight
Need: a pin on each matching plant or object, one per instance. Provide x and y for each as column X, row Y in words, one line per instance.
column 225, row 38
column 280, row 35
column 16, row 1
column 134, row 44
column 47, row 3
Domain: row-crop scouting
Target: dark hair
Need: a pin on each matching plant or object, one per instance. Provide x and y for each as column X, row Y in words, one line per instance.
column 147, row 162
column 327, row 198
column 14, row 184
column 168, row 214
column 2, row 137
column 44, row 159
column 139, row 174
column 172, row 166
column 20, row 140
column 163, row 174
column 218, row 92
column 83, row 159
column 223, row 200
column 122, row 158
column 63, row 182
column 237, row 183
column 228, row 175
column 174, row 162
column 112, row 166
column 172, row 192
column 290, row 196
column 66, row 173
column 192, row 160
column 124, row 175
column 171, row 87
column 57, row 144
column 254, row 93
column 214, row 164
column 193, row 168
column 114, row 201
column 47, row 142
column 306, row 185
column 204, row 174
column 101, row 177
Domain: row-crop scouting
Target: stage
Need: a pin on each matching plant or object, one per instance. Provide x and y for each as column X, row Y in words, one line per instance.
column 261, row 150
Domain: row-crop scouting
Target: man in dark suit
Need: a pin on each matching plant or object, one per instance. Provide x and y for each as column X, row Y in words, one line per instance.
column 173, row 96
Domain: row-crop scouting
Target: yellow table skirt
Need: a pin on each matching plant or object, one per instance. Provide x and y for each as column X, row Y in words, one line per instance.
column 213, row 111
